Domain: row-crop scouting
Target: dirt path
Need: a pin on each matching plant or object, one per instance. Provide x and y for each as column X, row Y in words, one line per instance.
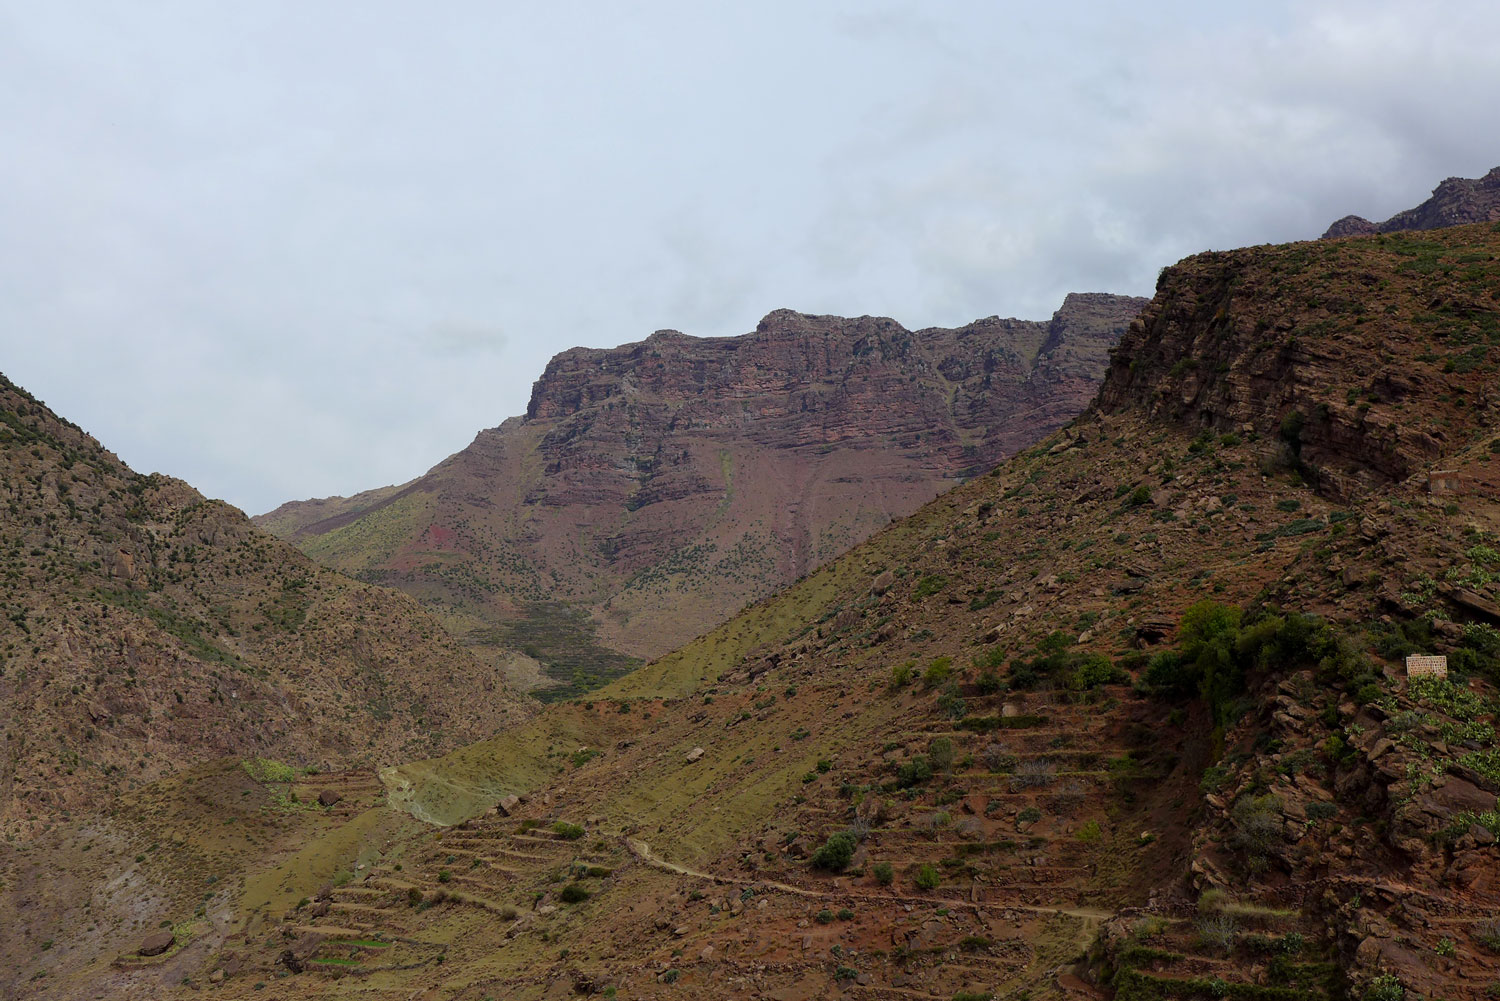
column 642, row 851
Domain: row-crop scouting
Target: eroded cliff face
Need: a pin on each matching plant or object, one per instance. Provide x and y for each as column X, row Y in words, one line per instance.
column 1458, row 201
column 1368, row 378
column 657, row 487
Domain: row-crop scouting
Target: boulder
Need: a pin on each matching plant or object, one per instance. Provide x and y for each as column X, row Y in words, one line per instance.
column 870, row 809
column 328, row 797
column 157, row 943
column 507, row 805
column 694, row 755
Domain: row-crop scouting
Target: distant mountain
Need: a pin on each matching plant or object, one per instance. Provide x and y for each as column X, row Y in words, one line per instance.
column 653, row 489
column 146, row 628
column 1456, row 202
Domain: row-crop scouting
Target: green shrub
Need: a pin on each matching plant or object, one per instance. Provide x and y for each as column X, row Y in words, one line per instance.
column 914, row 772
column 937, row 672
column 583, row 756
column 1089, row 832
column 1095, row 670
column 824, row 917
column 1030, row 815
column 901, row 674
column 929, row 585
column 941, row 754
column 926, row 877
column 885, row 874
column 567, row 831
column 573, row 893
column 1386, row 987
column 835, row 853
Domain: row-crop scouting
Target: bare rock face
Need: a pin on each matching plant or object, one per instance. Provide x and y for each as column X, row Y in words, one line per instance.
column 156, row 943
column 1353, row 400
column 1351, row 225
column 654, row 488
column 1458, row 201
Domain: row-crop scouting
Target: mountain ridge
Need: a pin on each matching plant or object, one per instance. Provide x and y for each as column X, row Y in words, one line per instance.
column 1457, row 201
column 656, row 487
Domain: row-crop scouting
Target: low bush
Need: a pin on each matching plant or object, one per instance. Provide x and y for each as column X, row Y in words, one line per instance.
column 836, row 853
column 940, row 752
column 1033, row 773
column 914, row 772
column 938, row 672
column 573, row 893
column 926, row 877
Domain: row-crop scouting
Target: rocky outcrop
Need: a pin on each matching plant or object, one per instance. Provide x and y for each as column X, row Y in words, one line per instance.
column 1349, row 381
column 661, row 485
column 1457, row 201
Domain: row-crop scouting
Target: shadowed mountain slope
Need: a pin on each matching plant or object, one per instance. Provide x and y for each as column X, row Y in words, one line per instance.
column 147, row 628
column 653, row 489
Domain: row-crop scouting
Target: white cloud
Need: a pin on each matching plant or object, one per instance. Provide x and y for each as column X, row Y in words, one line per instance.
column 284, row 250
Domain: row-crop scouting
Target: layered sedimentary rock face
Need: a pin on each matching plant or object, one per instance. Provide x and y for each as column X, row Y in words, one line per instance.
column 653, row 489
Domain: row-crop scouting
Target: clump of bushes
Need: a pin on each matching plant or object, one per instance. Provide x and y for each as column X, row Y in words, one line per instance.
column 914, row 772
column 836, row 853
column 567, row 831
column 926, row 877
column 1219, row 644
column 938, row 672
column 573, row 893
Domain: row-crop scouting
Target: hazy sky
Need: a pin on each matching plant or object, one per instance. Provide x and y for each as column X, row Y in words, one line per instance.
column 293, row 249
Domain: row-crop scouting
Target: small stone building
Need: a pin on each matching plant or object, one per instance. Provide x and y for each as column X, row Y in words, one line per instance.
column 1426, row 666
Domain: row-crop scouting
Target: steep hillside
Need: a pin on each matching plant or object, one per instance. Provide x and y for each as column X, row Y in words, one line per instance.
column 1458, row 201
column 653, row 489
column 146, row 628
column 1125, row 715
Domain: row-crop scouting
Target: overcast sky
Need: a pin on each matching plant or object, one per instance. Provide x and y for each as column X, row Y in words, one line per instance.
column 294, row 249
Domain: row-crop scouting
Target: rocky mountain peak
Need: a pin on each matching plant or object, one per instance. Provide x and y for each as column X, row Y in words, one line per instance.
column 1457, row 201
